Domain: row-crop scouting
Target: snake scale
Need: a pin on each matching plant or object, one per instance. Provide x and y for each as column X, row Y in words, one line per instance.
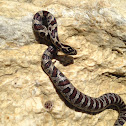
column 44, row 24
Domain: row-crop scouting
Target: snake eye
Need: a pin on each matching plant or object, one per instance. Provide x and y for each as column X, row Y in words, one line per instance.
column 70, row 49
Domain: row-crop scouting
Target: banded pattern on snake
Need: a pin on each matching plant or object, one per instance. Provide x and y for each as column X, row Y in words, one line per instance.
column 45, row 25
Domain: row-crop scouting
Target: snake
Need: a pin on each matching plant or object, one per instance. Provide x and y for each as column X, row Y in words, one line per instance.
column 44, row 24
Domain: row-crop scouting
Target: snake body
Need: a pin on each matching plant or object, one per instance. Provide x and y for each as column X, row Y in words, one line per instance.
column 45, row 24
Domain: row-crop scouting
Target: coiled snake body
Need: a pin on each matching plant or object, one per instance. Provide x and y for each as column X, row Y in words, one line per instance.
column 44, row 24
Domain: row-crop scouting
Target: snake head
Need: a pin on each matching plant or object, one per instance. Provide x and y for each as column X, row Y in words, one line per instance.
column 68, row 50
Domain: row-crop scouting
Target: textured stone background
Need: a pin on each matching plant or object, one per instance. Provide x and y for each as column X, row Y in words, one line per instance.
column 95, row 28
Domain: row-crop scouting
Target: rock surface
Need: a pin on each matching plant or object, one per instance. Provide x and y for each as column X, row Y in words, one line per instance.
column 95, row 28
